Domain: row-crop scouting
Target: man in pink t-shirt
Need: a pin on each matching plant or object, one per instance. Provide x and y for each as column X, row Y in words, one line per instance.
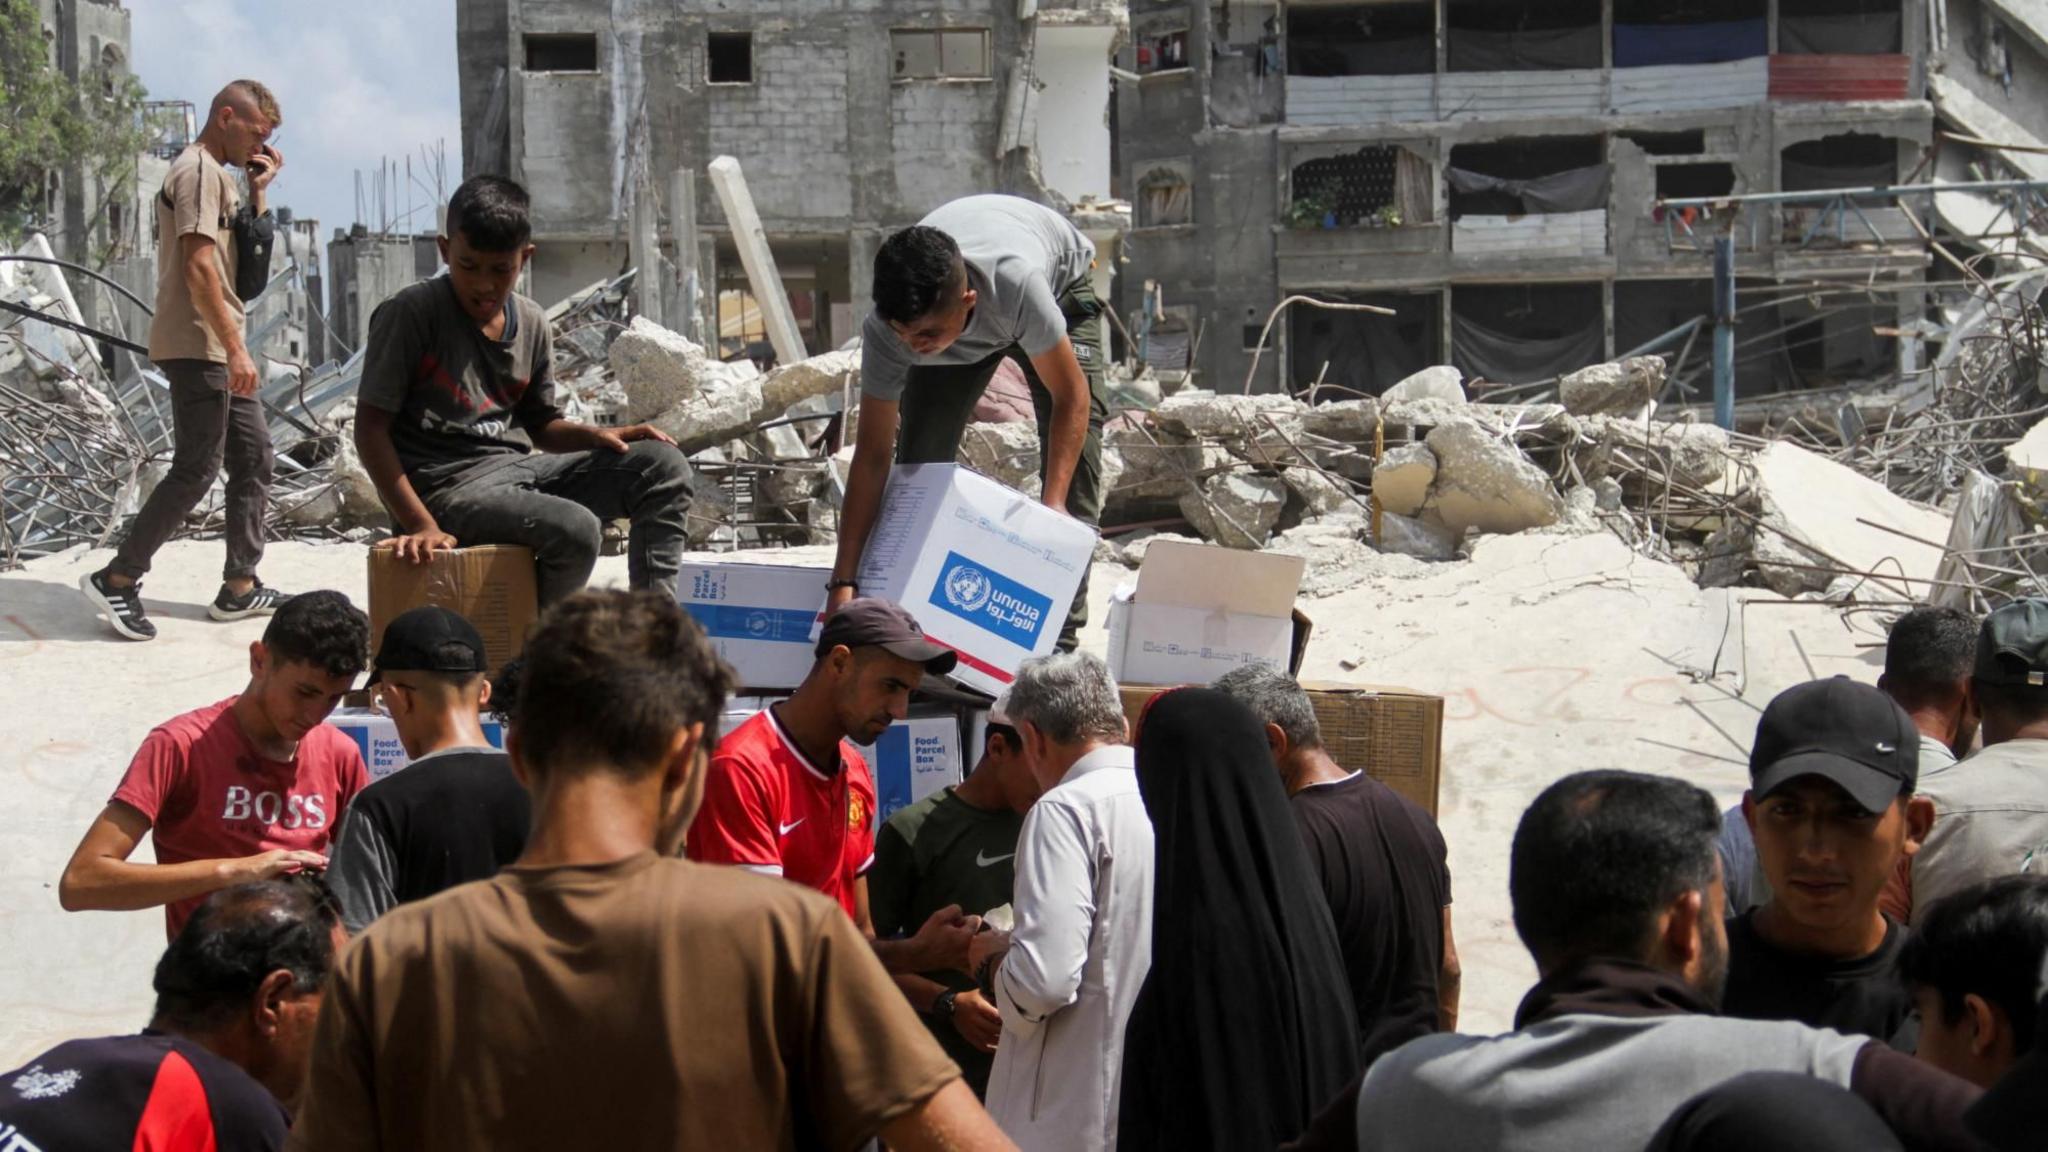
column 245, row 789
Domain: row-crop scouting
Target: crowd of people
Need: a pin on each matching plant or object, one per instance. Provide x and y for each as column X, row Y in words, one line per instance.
column 1192, row 930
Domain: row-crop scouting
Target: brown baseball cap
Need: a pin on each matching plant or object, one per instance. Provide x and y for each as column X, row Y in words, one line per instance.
column 871, row 622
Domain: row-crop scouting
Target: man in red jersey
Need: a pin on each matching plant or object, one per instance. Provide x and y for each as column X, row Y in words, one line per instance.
column 787, row 794
column 246, row 789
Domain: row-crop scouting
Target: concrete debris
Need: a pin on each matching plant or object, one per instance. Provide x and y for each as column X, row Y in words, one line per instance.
column 1484, row 483
column 662, row 370
column 1007, row 453
column 1338, row 556
column 824, row 374
column 2027, row 458
column 1159, row 464
column 1318, row 493
column 1131, row 550
column 1349, row 420
column 1236, row 510
column 1818, row 520
column 1620, row 386
column 1406, row 536
column 1442, row 382
column 1205, row 414
column 1402, row 478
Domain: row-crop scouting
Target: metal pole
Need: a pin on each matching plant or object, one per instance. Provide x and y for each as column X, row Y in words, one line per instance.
column 1724, row 331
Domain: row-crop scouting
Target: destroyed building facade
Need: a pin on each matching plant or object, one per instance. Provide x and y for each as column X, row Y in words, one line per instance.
column 1492, row 171
column 849, row 121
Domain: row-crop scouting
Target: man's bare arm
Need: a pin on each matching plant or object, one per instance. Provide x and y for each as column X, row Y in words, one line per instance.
column 1062, row 376
column 99, row 876
column 419, row 537
column 874, row 450
column 569, row 436
column 951, row 1121
column 209, row 298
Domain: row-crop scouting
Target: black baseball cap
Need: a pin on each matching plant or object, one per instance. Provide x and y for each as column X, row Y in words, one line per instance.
column 429, row 639
column 1839, row 730
column 871, row 622
column 2013, row 1114
column 2012, row 645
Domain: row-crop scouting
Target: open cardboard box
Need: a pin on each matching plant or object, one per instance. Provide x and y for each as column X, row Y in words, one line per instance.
column 1198, row 612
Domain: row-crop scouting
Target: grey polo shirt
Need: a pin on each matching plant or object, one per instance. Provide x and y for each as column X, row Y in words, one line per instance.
column 1020, row 257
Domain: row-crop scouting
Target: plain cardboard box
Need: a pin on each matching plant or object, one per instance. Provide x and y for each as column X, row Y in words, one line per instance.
column 1197, row 612
column 376, row 735
column 985, row 569
column 760, row 617
column 1395, row 735
column 491, row 586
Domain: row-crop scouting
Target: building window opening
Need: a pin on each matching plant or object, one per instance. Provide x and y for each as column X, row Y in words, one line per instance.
column 1165, row 197
column 1669, row 143
column 1162, row 51
column 1536, row 174
column 1690, row 181
column 940, row 54
column 730, row 57
column 1522, row 35
column 1839, row 27
column 1649, row 33
column 561, row 51
column 1363, row 40
column 1848, row 161
column 1375, row 187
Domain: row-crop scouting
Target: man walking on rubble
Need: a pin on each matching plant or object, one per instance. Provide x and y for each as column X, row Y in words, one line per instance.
column 205, row 234
column 981, row 280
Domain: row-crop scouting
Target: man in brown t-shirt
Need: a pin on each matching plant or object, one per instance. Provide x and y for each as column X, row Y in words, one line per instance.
column 195, row 338
column 457, row 385
column 602, row 993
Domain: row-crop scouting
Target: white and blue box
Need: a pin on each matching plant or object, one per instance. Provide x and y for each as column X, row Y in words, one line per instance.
column 985, row 569
column 913, row 759
column 762, row 618
column 376, row 735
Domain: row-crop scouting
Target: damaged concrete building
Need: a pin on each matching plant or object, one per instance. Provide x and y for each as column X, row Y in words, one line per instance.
column 848, row 120
column 1492, row 171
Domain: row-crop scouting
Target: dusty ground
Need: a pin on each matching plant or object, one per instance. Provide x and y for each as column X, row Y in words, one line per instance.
column 1554, row 654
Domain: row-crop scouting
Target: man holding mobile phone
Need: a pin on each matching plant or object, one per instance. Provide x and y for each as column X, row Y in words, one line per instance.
column 195, row 339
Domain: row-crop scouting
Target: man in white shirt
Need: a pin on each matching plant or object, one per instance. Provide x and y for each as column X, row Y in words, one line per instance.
column 1066, row 976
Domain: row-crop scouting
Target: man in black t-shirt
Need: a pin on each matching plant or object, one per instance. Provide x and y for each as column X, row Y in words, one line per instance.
column 1831, row 804
column 957, row 848
column 456, row 813
column 225, row 1052
column 457, row 384
column 1383, row 866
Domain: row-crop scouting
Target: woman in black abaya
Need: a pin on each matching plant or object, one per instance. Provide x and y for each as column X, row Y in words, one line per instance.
column 1244, row 1026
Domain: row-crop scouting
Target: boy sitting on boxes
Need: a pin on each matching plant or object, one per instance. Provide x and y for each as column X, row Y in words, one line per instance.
column 451, row 365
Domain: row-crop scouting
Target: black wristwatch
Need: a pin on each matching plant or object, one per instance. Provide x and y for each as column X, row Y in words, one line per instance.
column 942, row 1004
column 836, row 585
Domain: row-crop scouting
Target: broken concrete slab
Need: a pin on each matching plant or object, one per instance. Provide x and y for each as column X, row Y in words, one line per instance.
column 1006, row 453
column 1205, row 414
column 1318, row 493
column 1619, row 386
column 1131, row 551
column 1442, row 382
column 1352, row 421
column 660, row 370
column 1338, row 556
column 1486, row 484
column 1817, row 512
column 1402, row 478
column 1236, row 509
column 1159, row 464
column 788, row 385
column 1407, row 536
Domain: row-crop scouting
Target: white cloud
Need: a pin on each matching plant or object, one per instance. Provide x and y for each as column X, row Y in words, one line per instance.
column 358, row 81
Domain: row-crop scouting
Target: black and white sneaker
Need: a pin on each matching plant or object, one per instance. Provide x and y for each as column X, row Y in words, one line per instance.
column 121, row 606
column 257, row 601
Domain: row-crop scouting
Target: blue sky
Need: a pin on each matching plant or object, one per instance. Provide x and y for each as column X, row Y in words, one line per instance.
column 357, row 80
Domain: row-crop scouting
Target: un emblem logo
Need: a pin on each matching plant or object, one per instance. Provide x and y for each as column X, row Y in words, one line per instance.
column 968, row 588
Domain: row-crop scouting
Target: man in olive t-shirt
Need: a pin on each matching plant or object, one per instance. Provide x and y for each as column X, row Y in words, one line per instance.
column 956, row 847
column 600, row 993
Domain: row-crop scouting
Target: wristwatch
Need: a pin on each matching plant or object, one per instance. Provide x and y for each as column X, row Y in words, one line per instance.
column 942, row 1004
column 836, row 585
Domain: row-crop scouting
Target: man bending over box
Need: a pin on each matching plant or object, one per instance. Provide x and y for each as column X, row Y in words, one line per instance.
column 452, row 365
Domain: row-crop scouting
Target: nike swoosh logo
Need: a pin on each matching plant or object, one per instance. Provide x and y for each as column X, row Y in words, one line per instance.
column 987, row 861
column 788, row 828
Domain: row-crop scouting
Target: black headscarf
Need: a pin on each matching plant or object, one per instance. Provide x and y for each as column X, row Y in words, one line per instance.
column 1244, row 1026
column 1775, row 1112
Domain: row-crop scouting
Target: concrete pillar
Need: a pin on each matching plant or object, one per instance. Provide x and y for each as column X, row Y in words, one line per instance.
column 685, row 292
column 646, row 250
column 759, row 260
column 861, row 246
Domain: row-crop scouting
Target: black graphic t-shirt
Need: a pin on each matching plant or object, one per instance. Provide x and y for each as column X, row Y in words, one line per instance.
column 154, row 1090
column 455, row 393
column 1860, row 995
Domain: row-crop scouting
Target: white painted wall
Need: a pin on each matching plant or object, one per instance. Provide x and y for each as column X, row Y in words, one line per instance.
column 1073, row 110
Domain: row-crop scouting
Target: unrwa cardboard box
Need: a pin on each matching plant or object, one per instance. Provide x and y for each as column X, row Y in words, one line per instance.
column 376, row 735
column 491, row 586
column 985, row 569
column 1198, row 612
column 760, row 617
column 1394, row 735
